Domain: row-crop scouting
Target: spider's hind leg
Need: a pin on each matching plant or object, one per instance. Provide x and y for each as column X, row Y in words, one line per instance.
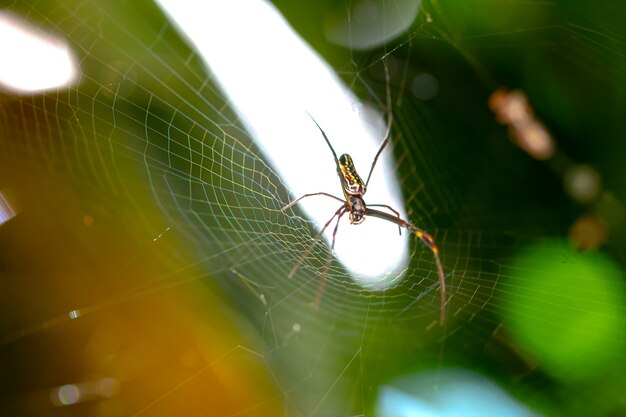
column 329, row 258
column 394, row 212
column 308, row 250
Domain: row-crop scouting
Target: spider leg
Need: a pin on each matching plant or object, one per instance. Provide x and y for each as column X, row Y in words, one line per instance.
column 320, row 289
column 385, row 142
column 332, row 242
column 429, row 242
column 341, row 178
column 389, row 123
column 311, row 195
column 394, row 212
column 315, row 240
column 326, row 139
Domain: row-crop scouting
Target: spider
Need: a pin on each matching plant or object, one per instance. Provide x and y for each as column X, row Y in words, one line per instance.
column 353, row 191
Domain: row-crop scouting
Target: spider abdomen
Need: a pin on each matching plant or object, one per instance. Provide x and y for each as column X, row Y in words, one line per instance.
column 353, row 184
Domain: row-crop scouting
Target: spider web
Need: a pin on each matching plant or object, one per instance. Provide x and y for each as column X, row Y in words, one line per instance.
column 147, row 270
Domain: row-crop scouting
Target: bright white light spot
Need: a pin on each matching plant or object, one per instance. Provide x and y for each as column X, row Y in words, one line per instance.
column 272, row 79
column 85, row 391
column 425, row 86
column 367, row 24
column 582, row 183
column 32, row 61
column 67, row 395
column 74, row 314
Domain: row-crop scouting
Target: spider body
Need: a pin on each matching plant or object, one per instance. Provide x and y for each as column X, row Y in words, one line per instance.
column 352, row 182
column 354, row 189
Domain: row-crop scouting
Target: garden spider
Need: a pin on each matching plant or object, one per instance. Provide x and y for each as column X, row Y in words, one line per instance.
column 353, row 191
